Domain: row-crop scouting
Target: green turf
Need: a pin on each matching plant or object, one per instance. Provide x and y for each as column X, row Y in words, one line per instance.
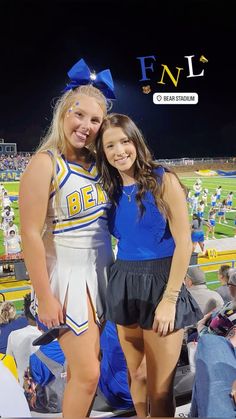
column 221, row 231
column 13, row 189
column 19, row 305
column 212, row 280
column 211, row 183
column 228, row 184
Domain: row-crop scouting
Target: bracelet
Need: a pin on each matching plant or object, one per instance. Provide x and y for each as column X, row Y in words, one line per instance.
column 171, row 296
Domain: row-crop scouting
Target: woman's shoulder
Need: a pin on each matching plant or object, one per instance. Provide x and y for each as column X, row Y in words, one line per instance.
column 42, row 156
column 39, row 167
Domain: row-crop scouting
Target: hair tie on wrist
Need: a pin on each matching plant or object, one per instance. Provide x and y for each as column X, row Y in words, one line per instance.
column 171, row 296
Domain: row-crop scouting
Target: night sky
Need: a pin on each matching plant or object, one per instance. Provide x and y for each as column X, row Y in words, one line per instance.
column 40, row 41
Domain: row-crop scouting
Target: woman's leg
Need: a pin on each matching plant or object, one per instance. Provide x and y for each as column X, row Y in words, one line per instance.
column 208, row 230
column 131, row 340
column 82, row 355
column 194, row 246
column 162, row 354
column 201, row 244
column 213, row 232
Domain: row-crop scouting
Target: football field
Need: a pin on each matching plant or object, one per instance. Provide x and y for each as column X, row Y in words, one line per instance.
column 221, row 231
column 13, row 190
column 211, row 183
column 228, row 184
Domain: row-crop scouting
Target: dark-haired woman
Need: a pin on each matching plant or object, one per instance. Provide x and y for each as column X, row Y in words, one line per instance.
column 146, row 296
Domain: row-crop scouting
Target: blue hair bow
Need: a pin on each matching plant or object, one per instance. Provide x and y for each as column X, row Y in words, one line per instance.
column 80, row 74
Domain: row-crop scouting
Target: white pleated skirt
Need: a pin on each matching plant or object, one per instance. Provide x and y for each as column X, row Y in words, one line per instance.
column 74, row 273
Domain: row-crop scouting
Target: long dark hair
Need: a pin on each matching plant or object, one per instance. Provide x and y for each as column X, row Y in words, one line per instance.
column 196, row 217
column 144, row 166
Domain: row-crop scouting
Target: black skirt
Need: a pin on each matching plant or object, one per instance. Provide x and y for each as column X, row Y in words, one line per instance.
column 135, row 288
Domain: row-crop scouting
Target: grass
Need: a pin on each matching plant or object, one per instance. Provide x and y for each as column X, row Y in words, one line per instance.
column 12, row 189
column 221, row 231
column 212, row 280
column 19, row 305
column 228, row 184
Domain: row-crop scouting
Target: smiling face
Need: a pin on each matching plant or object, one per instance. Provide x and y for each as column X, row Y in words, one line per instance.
column 119, row 150
column 82, row 122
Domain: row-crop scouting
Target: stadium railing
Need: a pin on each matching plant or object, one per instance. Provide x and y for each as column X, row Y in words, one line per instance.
column 221, row 262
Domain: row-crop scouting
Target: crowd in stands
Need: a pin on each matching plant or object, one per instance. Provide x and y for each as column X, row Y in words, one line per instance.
column 206, row 298
column 14, row 162
column 34, row 368
column 215, row 360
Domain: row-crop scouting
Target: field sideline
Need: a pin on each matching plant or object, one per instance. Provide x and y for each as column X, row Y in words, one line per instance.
column 228, row 184
column 221, row 231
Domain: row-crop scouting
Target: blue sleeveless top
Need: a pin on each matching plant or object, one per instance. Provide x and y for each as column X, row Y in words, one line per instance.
column 140, row 237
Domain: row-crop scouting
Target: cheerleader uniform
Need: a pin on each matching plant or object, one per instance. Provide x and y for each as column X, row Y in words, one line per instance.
column 213, row 200
column 218, row 193
column 229, row 200
column 211, row 219
column 77, row 243
column 200, row 212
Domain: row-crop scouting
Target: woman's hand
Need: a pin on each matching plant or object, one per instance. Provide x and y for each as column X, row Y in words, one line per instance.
column 203, row 322
column 50, row 311
column 164, row 318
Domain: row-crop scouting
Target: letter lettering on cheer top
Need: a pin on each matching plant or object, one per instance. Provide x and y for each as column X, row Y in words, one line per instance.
column 102, row 198
column 73, row 203
column 88, row 200
column 144, row 67
column 174, row 81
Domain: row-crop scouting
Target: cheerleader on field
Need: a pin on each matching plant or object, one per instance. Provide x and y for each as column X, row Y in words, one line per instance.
column 212, row 222
column 218, row 193
column 204, row 196
column 213, row 200
column 222, row 211
column 200, row 210
column 229, row 200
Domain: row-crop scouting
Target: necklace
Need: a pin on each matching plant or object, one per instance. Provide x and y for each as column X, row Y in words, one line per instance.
column 129, row 195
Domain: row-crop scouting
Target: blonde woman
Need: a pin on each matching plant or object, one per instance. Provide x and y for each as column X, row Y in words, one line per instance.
column 66, row 243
